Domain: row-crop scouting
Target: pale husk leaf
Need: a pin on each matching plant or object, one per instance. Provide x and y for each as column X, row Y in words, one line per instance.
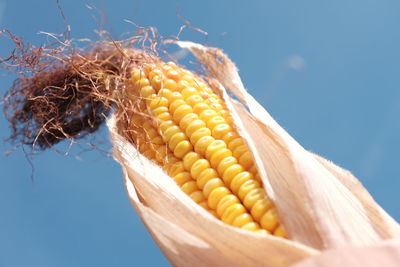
column 382, row 222
column 186, row 233
column 385, row 254
column 318, row 205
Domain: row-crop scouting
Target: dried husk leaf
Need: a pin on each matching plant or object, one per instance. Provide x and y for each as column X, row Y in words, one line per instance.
column 320, row 204
column 385, row 225
column 384, row 254
column 185, row 232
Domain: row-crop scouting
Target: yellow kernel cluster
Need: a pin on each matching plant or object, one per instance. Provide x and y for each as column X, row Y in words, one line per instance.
column 185, row 127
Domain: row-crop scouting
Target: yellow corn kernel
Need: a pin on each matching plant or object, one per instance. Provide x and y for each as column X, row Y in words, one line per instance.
column 251, row 226
column 182, row 178
column 226, row 202
column 269, row 220
column 279, row 231
column 216, row 195
column 232, row 212
column 169, row 84
column 242, row 220
column 205, row 176
column 189, row 187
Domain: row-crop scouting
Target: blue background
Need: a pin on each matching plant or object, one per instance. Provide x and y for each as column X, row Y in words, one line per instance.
column 328, row 71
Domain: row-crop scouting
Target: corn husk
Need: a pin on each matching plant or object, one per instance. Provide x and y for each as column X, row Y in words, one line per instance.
column 320, row 205
column 385, row 253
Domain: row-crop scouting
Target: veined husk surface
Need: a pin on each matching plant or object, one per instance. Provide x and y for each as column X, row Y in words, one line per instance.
column 321, row 205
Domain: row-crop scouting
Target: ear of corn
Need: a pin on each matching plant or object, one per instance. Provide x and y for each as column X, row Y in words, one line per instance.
column 181, row 124
column 325, row 206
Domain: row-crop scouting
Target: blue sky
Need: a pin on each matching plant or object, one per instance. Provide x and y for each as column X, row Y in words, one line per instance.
column 328, row 71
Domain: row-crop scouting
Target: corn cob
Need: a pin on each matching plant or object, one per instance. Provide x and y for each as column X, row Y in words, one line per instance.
column 183, row 126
